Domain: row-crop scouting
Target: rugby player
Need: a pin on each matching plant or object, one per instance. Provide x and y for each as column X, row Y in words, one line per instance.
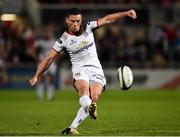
column 88, row 75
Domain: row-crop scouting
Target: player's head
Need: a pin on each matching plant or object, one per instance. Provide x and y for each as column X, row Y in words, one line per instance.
column 74, row 20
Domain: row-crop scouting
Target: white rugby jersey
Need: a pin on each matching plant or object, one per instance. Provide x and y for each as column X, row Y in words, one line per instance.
column 82, row 48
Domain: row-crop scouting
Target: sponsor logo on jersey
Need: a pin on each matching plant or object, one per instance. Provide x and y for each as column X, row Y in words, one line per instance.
column 82, row 49
column 73, row 41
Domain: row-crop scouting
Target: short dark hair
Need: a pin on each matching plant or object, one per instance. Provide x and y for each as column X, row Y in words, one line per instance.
column 73, row 11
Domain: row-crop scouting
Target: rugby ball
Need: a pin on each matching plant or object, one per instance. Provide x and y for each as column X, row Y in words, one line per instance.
column 125, row 76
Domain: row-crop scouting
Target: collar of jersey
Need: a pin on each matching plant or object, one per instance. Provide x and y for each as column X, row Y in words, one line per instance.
column 70, row 33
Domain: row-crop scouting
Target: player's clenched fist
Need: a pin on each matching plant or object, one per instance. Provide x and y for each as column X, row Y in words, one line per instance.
column 132, row 14
column 33, row 81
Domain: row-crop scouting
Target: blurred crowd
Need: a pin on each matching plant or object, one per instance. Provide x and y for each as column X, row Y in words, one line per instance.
column 153, row 46
column 17, row 41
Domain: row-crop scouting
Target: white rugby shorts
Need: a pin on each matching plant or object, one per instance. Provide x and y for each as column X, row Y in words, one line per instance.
column 89, row 73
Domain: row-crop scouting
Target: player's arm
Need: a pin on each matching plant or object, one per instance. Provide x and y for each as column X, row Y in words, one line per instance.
column 43, row 66
column 116, row 16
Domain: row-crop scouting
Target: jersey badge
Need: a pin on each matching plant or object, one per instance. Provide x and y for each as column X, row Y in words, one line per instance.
column 83, row 43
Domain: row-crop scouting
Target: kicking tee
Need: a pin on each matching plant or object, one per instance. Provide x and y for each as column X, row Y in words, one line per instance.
column 81, row 49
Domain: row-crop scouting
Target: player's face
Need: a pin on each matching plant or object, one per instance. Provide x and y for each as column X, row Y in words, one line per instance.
column 74, row 22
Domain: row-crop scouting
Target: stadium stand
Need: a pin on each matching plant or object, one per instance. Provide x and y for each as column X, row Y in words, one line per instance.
column 147, row 43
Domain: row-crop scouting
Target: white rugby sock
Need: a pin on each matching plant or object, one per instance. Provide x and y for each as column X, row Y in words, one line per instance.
column 50, row 92
column 85, row 101
column 82, row 113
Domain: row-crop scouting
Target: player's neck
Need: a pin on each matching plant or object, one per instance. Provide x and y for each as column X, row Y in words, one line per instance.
column 70, row 32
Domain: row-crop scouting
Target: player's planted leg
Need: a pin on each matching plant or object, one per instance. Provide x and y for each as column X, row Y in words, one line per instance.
column 82, row 114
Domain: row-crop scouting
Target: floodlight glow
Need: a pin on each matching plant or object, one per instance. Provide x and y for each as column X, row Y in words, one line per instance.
column 8, row 17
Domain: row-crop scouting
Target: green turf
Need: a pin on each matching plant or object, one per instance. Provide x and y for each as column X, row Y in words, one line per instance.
column 131, row 113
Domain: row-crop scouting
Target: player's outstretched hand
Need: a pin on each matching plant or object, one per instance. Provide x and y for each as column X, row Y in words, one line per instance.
column 131, row 13
column 33, row 81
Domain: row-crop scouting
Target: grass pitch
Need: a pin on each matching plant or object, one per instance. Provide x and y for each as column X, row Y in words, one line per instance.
column 130, row 113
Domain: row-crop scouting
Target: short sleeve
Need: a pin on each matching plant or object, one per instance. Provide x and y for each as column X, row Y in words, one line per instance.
column 58, row 45
column 92, row 24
